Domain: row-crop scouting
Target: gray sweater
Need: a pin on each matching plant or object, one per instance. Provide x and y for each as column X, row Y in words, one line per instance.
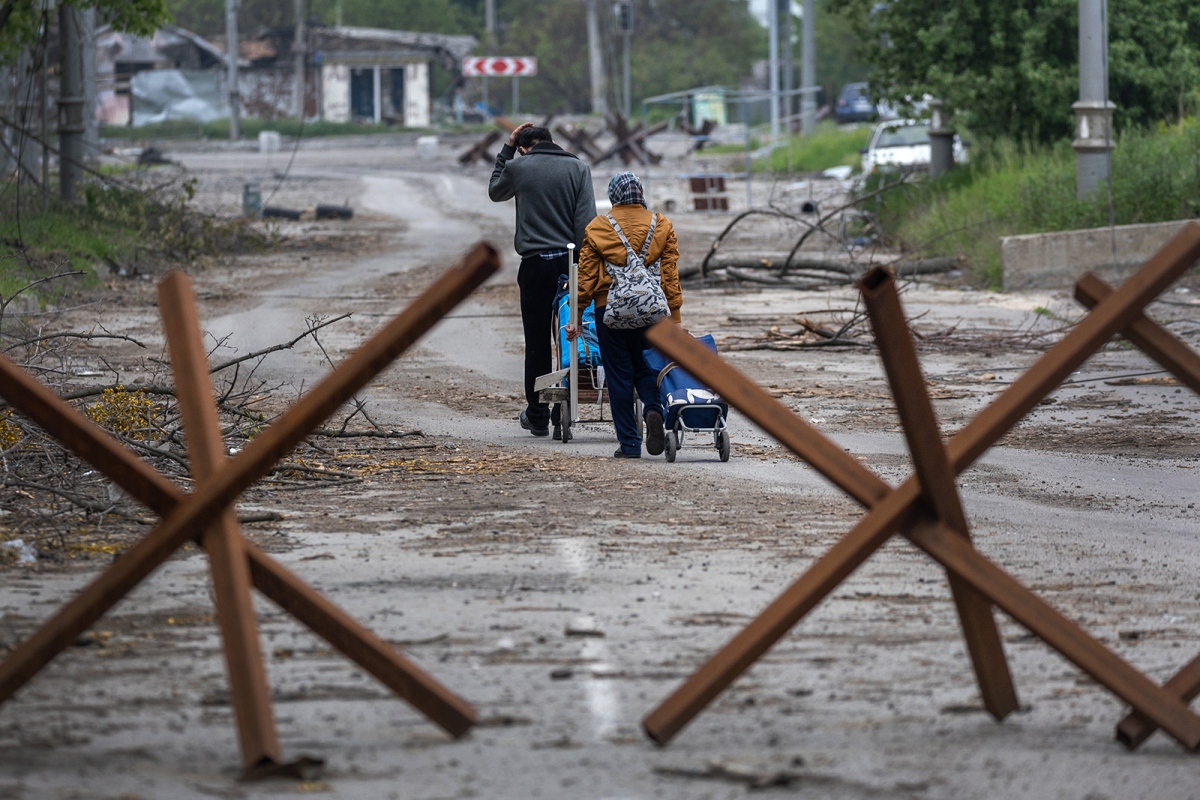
column 554, row 195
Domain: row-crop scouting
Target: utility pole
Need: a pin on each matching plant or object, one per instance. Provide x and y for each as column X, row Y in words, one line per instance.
column 625, row 25
column 44, row 103
column 70, row 102
column 1094, row 112
column 299, row 50
column 784, row 8
column 773, row 66
column 489, row 25
column 595, row 60
column 231, row 53
column 91, row 128
column 808, row 69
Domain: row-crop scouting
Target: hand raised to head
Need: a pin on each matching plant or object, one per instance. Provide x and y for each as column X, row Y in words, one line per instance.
column 516, row 133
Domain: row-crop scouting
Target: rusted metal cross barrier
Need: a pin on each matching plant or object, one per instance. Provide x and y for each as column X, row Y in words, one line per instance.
column 926, row 508
column 206, row 515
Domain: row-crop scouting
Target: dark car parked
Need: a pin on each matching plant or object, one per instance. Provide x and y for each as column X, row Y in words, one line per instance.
column 854, row 104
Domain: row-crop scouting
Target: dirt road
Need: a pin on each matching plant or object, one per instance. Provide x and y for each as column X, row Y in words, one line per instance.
column 478, row 554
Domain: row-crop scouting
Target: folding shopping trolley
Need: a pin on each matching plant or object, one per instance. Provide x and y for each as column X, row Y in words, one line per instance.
column 688, row 405
column 578, row 378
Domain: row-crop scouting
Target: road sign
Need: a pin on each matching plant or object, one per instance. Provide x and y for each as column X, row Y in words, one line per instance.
column 518, row 67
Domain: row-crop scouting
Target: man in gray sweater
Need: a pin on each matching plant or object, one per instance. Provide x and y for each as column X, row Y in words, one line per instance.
column 555, row 203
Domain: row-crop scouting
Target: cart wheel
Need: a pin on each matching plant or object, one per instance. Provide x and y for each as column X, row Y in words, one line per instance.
column 723, row 445
column 672, row 446
column 566, row 433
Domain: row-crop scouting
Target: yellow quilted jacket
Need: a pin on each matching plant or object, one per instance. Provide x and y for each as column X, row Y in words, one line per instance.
column 601, row 243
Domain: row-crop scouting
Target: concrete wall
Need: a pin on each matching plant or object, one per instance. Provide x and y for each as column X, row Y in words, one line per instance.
column 1057, row 260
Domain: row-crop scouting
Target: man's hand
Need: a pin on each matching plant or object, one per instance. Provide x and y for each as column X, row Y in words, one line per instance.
column 516, row 133
column 571, row 331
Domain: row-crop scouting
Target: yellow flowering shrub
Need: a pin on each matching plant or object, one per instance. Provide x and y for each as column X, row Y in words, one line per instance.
column 131, row 414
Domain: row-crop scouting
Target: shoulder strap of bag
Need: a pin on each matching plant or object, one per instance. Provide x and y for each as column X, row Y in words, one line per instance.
column 649, row 236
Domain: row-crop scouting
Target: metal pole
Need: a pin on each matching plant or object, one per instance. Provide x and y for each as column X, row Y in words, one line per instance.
column 231, row 53
column 595, row 60
column 746, row 120
column 516, row 95
column 70, row 102
column 91, row 128
column 573, row 299
column 299, row 49
column 1093, row 112
column 626, row 89
column 489, row 27
column 808, row 69
column 773, row 65
column 784, row 8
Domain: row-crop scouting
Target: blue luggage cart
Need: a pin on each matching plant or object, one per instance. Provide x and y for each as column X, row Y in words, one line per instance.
column 688, row 405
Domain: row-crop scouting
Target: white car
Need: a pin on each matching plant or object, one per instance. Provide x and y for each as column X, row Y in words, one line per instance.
column 903, row 143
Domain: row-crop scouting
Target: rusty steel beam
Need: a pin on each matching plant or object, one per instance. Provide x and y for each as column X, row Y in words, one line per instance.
column 144, row 483
column 1148, row 336
column 188, row 516
column 249, row 693
column 1184, row 363
column 932, row 467
column 1136, row 727
column 1123, row 680
column 898, row 508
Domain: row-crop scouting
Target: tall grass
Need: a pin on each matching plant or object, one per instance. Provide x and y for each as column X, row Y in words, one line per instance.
column 1011, row 189
column 828, row 146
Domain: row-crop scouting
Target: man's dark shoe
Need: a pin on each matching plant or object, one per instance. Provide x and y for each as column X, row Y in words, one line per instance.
column 557, row 435
column 529, row 426
column 622, row 454
column 655, row 436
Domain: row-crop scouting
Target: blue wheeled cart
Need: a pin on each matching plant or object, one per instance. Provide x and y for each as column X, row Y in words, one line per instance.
column 688, row 405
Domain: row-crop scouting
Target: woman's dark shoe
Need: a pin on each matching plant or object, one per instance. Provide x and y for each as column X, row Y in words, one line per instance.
column 623, row 454
column 527, row 425
column 655, row 436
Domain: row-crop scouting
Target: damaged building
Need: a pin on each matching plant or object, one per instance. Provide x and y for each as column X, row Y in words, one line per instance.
column 351, row 75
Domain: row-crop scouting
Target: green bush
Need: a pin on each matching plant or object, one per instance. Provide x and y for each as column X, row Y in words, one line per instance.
column 1011, row 189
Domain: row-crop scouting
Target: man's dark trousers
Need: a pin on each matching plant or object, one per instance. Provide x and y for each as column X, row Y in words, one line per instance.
column 624, row 370
column 538, row 280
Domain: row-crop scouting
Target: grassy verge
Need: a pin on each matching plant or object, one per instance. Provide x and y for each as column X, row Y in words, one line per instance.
column 115, row 229
column 1009, row 190
column 219, row 129
column 829, row 146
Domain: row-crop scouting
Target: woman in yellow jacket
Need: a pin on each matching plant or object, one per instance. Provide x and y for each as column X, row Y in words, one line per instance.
column 621, row 349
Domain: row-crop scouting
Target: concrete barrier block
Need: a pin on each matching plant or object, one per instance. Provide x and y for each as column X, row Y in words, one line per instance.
column 1057, row 260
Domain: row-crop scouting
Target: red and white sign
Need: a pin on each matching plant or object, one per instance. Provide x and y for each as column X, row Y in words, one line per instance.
column 519, row 67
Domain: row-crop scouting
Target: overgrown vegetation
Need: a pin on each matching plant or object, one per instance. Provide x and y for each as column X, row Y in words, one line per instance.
column 120, row 228
column 1011, row 189
column 1010, row 67
column 829, row 146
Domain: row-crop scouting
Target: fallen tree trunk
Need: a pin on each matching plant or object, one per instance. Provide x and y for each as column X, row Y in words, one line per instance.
column 850, row 269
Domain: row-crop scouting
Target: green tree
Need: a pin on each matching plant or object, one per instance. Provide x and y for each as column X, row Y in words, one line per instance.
column 207, row 17
column 20, row 20
column 1010, row 67
column 676, row 44
column 838, row 49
